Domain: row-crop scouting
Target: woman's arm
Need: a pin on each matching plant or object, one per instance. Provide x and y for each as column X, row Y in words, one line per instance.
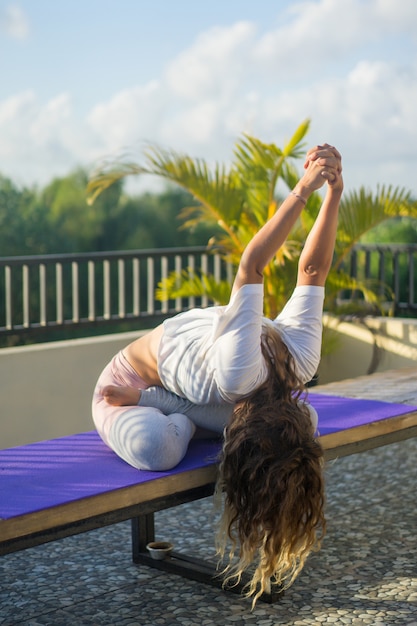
column 317, row 255
column 322, row 164
column 209, row 416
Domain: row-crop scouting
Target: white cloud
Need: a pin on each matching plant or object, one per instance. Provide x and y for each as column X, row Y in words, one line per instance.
column 395, row 16
column 51, row 120
column 39, row 141
column 16, row 106
column 16, row 116
column 214, row 65
column 369, row 114
column 14, row 22
column 320, row 35
column 130, row 115
column 322, row 64
column 197, row 123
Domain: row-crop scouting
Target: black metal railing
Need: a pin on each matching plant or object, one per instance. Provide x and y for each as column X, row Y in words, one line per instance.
column 60, row 291
column 67, row 291
column 392, row 268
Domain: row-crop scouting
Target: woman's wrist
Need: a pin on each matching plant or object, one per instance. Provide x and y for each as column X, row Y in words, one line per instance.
column 299, row 197
column 335, row 190
column 301, row 192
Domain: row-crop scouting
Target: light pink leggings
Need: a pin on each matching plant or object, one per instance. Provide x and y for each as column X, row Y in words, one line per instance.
column 142, row 436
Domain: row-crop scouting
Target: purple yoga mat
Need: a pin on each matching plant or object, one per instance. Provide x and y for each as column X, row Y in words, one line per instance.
column 50, row 473
column 337, row 413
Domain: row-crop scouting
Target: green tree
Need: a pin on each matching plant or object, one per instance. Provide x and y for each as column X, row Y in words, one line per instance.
column 240, row 198
column 153, row 221
column 24, row 224
column 397, row 230
column 81, row 227
column 116, row 221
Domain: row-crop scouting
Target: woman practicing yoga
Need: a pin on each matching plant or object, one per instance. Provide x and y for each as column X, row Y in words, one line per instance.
column 229, row 369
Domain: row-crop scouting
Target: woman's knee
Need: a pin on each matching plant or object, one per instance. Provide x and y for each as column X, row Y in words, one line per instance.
column 149, row 440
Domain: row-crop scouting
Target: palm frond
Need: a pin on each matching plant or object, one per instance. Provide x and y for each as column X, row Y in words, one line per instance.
column 360, row 211
column 372, row 293
column 188, row 284
column 214, row 187
column 294, row 148
column 250, row 153
column 108, row 173
column 217, row 191
column 289, row 174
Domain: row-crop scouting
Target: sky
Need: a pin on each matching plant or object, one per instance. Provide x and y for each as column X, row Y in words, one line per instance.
column 84, row 80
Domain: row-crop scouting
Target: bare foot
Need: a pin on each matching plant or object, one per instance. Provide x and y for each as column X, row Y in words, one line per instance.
column 121, row 396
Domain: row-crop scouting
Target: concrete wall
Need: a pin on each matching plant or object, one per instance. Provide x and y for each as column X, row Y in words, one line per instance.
column 368, row 345
column 46, row 389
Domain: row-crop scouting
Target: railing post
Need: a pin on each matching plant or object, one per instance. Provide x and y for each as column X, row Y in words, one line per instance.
column 106, row 290
column 91, row 291
column 396, row 277
column 178, row 269
column 75, row 293
column 411, row 290
column 59, row 294
column 381, row 269
column 164, row 276
column 121, row 286
column 26, row 299
column 136, row 286
column 151, row 284
column 42, row 295
column 8, row 297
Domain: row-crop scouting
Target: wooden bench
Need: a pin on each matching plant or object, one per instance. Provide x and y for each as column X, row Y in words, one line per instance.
column 57, row 488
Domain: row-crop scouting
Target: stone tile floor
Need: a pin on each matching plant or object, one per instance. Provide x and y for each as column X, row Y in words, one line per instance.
column 366, row 572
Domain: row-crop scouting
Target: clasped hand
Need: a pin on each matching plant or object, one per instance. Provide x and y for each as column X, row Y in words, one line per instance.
column 323, row 164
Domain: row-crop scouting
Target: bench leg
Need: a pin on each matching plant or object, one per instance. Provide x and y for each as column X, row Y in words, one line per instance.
column 143, row 531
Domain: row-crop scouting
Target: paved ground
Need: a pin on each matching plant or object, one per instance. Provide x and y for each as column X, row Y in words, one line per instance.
column 366, row 572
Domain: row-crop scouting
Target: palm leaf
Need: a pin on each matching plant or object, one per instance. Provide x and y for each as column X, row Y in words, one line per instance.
column 218, row 193
column 373, row 293
column 188, row 284
column 259, row 166
column 361, row 211
column 109, row 173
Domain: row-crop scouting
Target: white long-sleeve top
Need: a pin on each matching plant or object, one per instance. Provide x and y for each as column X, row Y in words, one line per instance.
column 213, row 356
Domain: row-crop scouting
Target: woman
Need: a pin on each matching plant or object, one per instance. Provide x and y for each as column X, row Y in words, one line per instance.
column 230, row 368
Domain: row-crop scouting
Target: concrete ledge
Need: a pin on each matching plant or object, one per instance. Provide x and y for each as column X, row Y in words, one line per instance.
column 368, row 345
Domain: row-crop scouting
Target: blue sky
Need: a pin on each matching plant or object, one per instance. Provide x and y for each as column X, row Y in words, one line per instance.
column 84, row 79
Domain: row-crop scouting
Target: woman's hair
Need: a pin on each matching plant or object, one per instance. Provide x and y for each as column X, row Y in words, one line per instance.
column 271, row 480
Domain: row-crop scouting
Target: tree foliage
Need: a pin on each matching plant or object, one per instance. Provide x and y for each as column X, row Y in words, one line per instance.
column 59, row 219
column 24, row 224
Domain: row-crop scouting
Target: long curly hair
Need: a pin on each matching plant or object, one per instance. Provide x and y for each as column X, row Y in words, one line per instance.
column 270, row 480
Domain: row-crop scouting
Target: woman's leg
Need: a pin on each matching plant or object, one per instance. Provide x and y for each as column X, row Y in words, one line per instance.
column 149, row 440
column 142, row 436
